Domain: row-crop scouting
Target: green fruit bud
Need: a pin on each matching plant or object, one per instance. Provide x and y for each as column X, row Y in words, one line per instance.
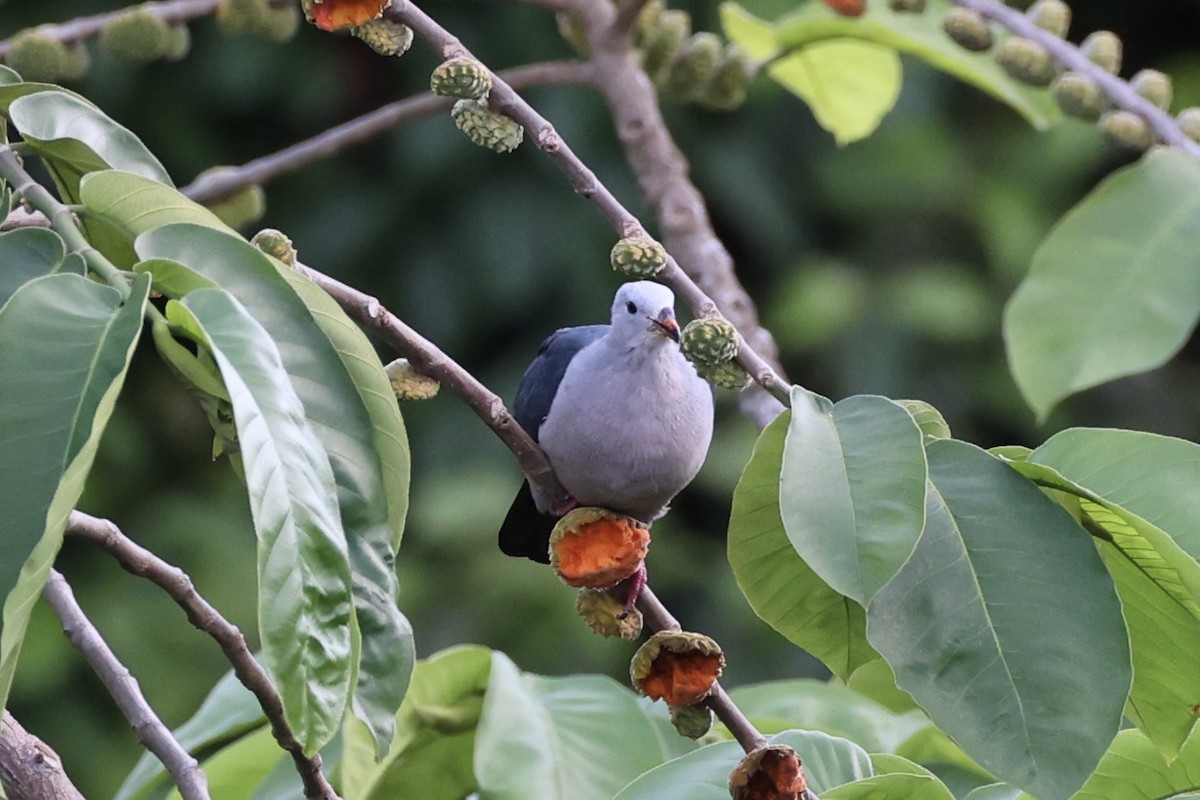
column 638, row 257
column 674, row 27
column 1127, row 129
column 407, row 383
column 79, row 60
column 244, row 207
column 1153, row 85
column 275, row 244
column 693, row 67
column 606, row 615
column 461, row 77
column 968, row 29
column 709, row 340
column 258, row 18
column 1026, row 61
column 907, row 6
column 1104, row 49
column 1051, row 15
column 1079, row 96
column 137, row 35
column 572, row 33
column 485, row 127
column 727, row 89
column 691, row 721
column 280, row 24
column 180, row 43
column 647, row 22
column 727, row 375
column 38, row 57
column 1189, row 122
column 384, row 36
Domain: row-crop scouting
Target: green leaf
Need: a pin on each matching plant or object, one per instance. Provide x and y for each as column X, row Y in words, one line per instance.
column 1127, row 252
column 931, row 422
column 852, row 489
column 121, row 205
column 431, row 754
column 1034, row 696
column 876, row 681
column 234, row 772
column 703, row 774
column 172, row 278
column 25, row 254
column 349, row 402
column 305, row 607
column 781, row 588
column 580, row 738
column 895, row 778
column 920, row 35
column 229, row 711
column 1133, row 769
column 67, row 343
column 8, row 76
column 75, row 138
column 994, row 791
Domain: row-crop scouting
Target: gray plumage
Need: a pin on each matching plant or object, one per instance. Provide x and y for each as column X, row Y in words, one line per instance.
column 621, row 414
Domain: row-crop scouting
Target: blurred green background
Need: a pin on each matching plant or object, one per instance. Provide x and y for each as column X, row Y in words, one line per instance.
column 881, row 267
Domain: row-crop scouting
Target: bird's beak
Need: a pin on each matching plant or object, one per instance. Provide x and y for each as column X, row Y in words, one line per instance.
column 666, row 325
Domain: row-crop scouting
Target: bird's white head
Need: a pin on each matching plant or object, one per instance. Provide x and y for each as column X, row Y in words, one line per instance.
column 644, row 311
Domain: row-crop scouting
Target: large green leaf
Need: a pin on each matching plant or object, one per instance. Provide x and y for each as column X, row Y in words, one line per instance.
column 75, row 138
column 25, row 254
column 579, row 738
column 305, row 607
column 781, row 588
column 1133, row 769
column 347, row 399
column 229, row 711
column 994, row 791
column 121, row 205
column 65, row 346
column 704, row 774
column 236, row 771
column 431, row 754
column 895, row 778
column 852, row 489
column 1127, row 252
column 1035, row 696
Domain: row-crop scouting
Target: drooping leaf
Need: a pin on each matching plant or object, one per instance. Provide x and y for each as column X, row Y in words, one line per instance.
column 852, row 489
column 781, row 588
column 1034, row 696
column 1126, row 253
column 348, row 400
column 303, row 568
column 229, row 711
column 75, row 138
column 65, row 346
column 703, row 774
column 25, row 254
column 1133, row 769
column 580, row 738
column 895, row 778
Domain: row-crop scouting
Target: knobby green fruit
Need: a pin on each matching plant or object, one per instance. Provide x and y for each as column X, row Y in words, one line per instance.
column 1104, row 49
column 275, row 244
column 180, row 43
column 38, row 57
column 1155, row 86
column 638, row 257
column 709, row 340
column 485, row 127
column 461, row 77
column 726, row 375
column 258, row 18
column 385, row 37
column 606, row 615
column 907, row 6
column 138, row 35
column 1026, row 61
column 407, row 383
column 674, row 27
column 727, row 89
column 1051, row 15
column 693, row 67
column 1079, row 96
column 1127, row 129
column 691, row 721
column 647, row 22
column 968, row 29
column 1189, row 122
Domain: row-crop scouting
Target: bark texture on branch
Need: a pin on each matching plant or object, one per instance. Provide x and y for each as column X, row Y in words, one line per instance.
column 29, row 768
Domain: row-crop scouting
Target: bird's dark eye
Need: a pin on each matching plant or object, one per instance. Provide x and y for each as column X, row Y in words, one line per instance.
column 631, row 308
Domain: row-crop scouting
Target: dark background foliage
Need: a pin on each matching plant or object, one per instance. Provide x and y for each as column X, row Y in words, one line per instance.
column 881, row 267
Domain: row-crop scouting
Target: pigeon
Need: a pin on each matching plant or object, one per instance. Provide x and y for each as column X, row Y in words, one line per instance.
column 621, row 414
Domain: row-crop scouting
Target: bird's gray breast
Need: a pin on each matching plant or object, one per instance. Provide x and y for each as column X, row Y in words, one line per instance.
column 627, row 431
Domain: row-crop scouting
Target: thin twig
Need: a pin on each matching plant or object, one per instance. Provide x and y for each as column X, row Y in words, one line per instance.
column 1071, row 57
column 222, row 182
column 29, row 768
column 149, row 729
column 138, row 560
column 505, row 100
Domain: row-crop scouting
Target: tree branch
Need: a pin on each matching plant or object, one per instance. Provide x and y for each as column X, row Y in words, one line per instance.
column 220, row 183
column 1071, row 57
column 149, row 729
column 505, row 100
column 200, row 613
column 29, row 768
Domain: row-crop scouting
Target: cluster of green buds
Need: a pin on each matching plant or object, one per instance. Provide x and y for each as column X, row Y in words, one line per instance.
column 258, row 18
column 40, row 57
column 385, row 37
column 1076, row 92
column 691, row 67
column 471, row 83
column 139, row 35
column 711, row 344
column 638, row 257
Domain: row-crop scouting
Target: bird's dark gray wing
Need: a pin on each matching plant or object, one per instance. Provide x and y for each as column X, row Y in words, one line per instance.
column 525, row 531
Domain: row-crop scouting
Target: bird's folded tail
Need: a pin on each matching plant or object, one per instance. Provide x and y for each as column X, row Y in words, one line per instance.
column 526, row 531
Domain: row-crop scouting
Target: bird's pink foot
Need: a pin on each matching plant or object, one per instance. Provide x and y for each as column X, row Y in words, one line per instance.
column 633, row 590
column 566, row 507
